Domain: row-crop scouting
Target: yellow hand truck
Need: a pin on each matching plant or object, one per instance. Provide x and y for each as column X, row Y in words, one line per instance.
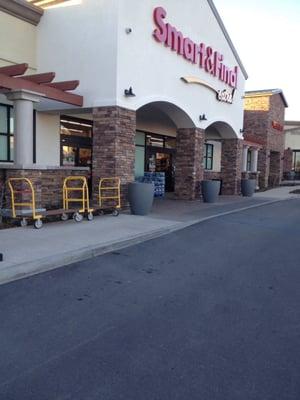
column 109, row 191
column 76, row 191
column 19, row 187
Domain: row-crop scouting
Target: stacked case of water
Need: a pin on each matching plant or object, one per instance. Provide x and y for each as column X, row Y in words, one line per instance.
column 159, row 180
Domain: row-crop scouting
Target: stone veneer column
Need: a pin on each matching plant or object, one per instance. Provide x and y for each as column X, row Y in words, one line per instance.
column 264, row 168
column 231, row 165
column 114, row 146
column 189, row 163
column 288, row 160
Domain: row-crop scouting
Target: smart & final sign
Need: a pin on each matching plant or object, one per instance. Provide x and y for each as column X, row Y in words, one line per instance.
column 205, row 56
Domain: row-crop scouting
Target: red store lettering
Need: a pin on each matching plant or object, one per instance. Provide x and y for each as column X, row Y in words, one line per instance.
column 208, row 59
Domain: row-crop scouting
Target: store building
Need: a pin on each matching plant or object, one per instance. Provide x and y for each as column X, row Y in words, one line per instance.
column 161, row 89
column 264, row 132
column 291, row 165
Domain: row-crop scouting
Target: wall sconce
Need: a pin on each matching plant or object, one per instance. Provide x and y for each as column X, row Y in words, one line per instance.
column 129, row 92
column 128, row 30
column 202, row 117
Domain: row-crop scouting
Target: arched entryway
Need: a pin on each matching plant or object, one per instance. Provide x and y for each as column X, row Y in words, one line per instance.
column 168, row 141
column 116, row 142
column 223, row 156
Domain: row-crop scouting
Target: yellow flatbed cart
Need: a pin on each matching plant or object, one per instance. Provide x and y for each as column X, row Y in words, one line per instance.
column 76, row 191
column 109, row 191
column 19, row 187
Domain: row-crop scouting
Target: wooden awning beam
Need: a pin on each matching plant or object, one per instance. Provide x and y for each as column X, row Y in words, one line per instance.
column 47, row 77
column 64, row 86
column 14, row 70
column 10, row 83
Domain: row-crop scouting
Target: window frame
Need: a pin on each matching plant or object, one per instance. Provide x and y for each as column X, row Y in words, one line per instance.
column 249, row 161
column 206, row 157
column 294, row 165
column 8, row 134
column 75, row 141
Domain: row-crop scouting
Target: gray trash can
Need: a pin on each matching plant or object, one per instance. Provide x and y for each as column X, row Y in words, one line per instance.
column 210, row 191
column 248, row 187
column 140, row 196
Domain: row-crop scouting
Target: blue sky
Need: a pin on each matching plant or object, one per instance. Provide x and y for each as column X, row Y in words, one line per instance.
column 266, row 34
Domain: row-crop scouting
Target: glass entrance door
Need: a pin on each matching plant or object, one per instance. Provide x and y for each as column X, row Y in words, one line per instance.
column 160, row 160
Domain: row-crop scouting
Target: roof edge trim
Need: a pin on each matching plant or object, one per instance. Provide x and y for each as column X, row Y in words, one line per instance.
column 267, row 93
column 22, row 10
column 227, row 37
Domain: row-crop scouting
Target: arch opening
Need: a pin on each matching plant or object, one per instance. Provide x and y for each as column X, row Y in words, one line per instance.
column 220, row 130
column 157, row 124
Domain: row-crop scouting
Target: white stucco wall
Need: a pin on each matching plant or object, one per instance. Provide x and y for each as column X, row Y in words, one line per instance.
column 47, row 139
column 154, row 71
column 18, row 42
column 292, row 139
column 80, row 42
column 95, row 48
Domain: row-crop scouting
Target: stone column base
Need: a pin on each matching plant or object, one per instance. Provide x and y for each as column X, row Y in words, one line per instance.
column 231, row 165
column 189, row 163
column 114, row 147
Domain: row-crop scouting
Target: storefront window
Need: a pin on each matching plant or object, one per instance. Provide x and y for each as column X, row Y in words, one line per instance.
column 6, row 133
column 76, row 127
column 155, row 141
column 3, row 148
column 170, row 143
column 296, row 160
column 76, row 142
column 12, row 139
column 249, row 160
column 140, row 138
column 208, row 156
column 139, row 154
column 85, row 157
column 69, row 154
column 3, row 119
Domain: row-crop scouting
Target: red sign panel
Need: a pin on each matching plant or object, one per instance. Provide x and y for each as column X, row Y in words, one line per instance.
column 278, row 126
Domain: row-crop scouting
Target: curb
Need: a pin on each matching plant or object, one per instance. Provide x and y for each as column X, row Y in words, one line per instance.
column 25, row 270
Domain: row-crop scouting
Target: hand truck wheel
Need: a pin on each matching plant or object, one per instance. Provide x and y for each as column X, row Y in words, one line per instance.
column 115, row 213
column 90, row 216
column 64, row 217
column 78, row 217
column 38, row 223
column 23, row 222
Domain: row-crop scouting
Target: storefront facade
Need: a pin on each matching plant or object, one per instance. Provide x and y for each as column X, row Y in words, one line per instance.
column 291, row 164
column 162, row 90
column 264, row 126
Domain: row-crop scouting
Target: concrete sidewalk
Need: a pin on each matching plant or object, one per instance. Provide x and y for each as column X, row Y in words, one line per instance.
column 28, row 251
